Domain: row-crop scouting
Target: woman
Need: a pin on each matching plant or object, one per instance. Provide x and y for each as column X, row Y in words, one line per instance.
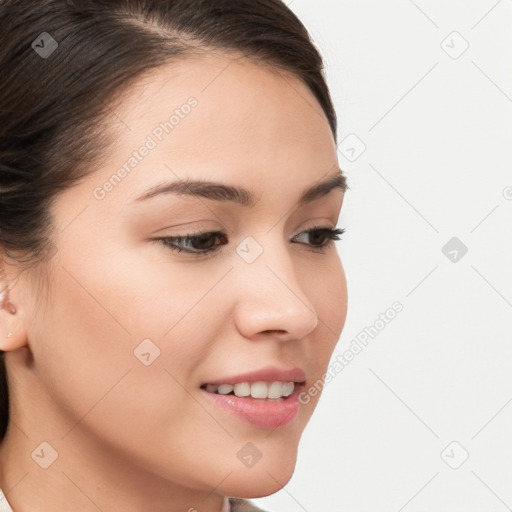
column 169, row 195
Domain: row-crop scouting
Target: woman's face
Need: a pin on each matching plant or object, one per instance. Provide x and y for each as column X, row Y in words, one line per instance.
column 134, row 330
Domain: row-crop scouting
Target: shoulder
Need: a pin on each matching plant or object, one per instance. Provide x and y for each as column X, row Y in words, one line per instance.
column 242, row 505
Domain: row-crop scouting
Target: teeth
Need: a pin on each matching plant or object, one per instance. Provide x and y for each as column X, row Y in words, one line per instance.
column 225, row 389
column 273, row 390
column 288, row 388
column 242, row 389
column 212, row 388
column 259, row 390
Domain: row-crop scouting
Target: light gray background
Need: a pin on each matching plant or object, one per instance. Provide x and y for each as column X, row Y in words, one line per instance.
column 392, row 430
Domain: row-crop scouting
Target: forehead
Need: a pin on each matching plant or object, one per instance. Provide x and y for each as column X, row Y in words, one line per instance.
column 237, row 97
column 249, row 123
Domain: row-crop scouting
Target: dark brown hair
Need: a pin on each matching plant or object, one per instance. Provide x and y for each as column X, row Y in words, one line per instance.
column 64, row 63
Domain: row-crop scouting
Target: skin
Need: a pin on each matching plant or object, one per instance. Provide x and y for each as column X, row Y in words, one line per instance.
column 129, row 434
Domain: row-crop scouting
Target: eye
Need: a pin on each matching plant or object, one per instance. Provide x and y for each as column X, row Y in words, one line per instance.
column 194, row 243
column 204, row 243
column 322, row 237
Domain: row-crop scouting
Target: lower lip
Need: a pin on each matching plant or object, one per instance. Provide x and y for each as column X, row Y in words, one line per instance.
column 263, row 413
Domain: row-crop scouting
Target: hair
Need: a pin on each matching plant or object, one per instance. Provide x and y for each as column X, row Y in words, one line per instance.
column 54, row 108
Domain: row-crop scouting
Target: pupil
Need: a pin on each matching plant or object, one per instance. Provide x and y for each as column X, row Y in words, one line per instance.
column 319, row 237
column 202, row 239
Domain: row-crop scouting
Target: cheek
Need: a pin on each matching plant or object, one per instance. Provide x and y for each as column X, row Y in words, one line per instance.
column 103, row 324
column 327, row 290
column 84, row 351
column 113, row 306
column 330, row 290
column 337, row 303
column 119, row 296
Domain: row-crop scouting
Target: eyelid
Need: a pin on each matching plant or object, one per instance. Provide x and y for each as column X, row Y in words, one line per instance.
column 171, row 241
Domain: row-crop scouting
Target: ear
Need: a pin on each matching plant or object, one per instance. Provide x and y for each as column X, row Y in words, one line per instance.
column 12, row 328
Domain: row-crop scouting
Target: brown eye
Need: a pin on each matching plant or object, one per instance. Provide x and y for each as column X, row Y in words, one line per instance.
column 318, row 237
column 200, row 243
column 204, row 243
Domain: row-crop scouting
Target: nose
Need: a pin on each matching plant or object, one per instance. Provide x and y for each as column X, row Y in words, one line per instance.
column 271, row 299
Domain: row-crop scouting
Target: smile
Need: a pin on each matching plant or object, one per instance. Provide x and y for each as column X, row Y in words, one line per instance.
column 264, row 390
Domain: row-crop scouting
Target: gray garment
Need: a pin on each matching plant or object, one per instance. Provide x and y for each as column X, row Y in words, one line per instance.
column 241, row 505
column 237, row 505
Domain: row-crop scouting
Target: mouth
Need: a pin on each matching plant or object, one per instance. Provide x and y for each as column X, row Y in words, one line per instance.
column 267, row 405
column 275, row 391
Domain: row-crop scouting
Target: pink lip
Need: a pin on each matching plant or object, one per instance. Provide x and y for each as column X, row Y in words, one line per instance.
column 261, row 412
column 267, row 374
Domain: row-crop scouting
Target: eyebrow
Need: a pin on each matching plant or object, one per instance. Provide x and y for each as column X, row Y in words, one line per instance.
column 239, row 195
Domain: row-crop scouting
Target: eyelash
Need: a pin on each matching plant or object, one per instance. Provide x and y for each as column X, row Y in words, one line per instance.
column 170, row 242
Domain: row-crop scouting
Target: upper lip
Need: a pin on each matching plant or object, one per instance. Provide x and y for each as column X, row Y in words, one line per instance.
column 267, row 374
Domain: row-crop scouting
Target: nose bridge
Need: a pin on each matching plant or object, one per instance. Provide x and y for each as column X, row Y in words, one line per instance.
column 271, row 297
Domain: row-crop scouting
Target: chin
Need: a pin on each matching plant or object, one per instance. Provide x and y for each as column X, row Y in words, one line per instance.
column 262, row 479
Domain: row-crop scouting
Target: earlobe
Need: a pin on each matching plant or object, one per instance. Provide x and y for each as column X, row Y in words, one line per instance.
column 11, row 332
column 12, row 336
